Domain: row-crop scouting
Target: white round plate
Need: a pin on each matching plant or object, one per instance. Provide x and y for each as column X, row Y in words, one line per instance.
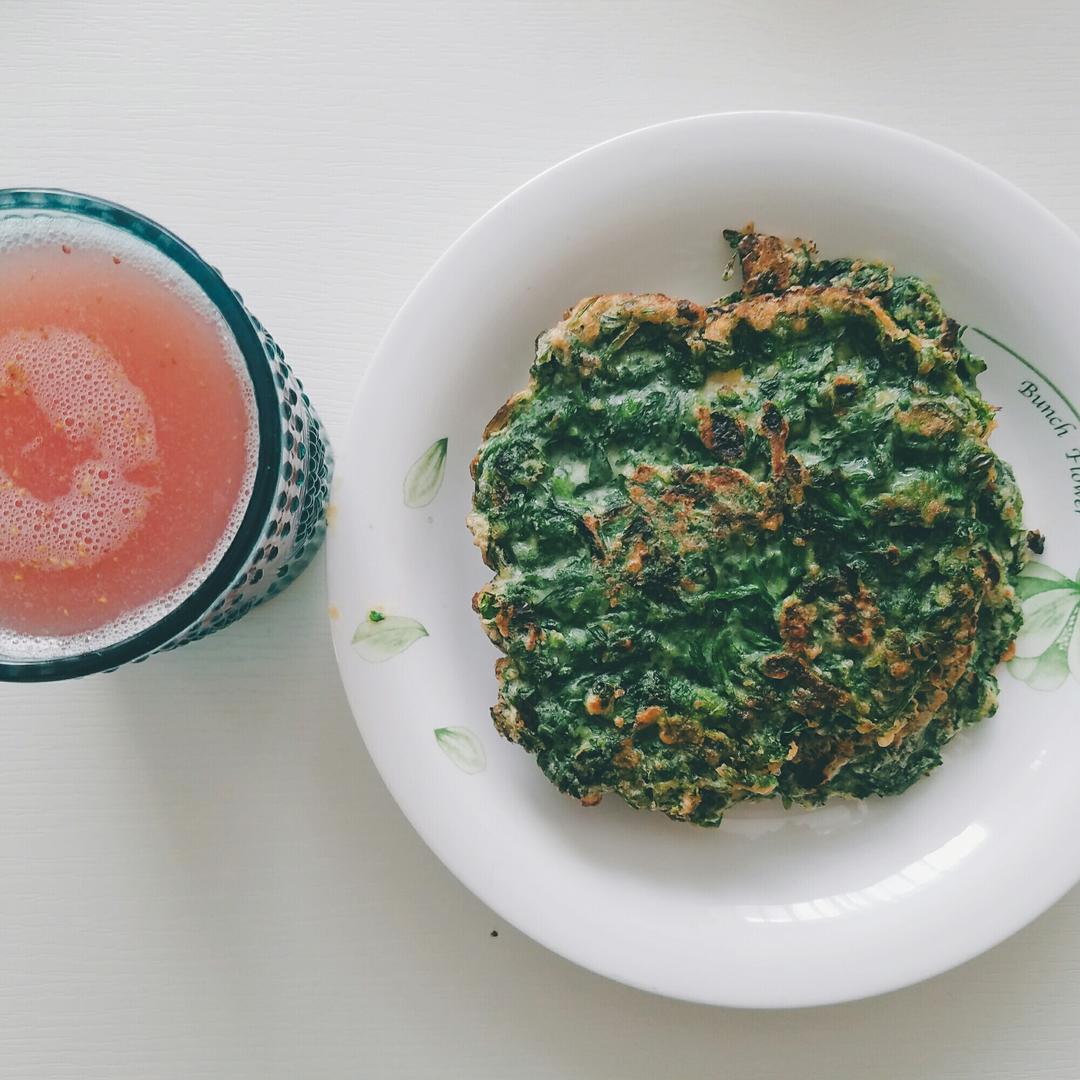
column 775, row 907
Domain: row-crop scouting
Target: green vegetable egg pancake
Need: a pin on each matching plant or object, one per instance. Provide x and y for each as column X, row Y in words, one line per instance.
column 758, row 549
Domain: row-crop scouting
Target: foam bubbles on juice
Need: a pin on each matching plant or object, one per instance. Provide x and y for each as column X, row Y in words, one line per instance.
column 84, row 394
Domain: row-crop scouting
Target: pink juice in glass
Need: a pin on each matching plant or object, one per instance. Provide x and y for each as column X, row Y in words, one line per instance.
column 128, row 436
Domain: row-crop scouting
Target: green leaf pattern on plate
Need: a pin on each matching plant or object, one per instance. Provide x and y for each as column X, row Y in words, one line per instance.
column 378, row 640
column 1048, row 647
column 423, row 480
column 462, row 747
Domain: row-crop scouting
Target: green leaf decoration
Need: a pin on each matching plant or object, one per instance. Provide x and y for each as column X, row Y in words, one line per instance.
column 1038, row 577
column 1050, row 669
column 1073, row 650
column 1048, row 646
column 392, row 634
column 462, row 747
column 1045, row 617
column 423, row 480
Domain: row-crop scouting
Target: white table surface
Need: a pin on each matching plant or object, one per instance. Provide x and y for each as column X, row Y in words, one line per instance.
column 201, row 874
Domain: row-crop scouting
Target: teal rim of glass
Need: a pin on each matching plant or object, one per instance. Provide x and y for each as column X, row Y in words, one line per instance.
column 259, row 508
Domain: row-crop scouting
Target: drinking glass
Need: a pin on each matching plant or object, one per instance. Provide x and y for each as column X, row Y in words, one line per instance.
column 285, row 519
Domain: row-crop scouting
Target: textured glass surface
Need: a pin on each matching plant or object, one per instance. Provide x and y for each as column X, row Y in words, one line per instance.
column 297, row 523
